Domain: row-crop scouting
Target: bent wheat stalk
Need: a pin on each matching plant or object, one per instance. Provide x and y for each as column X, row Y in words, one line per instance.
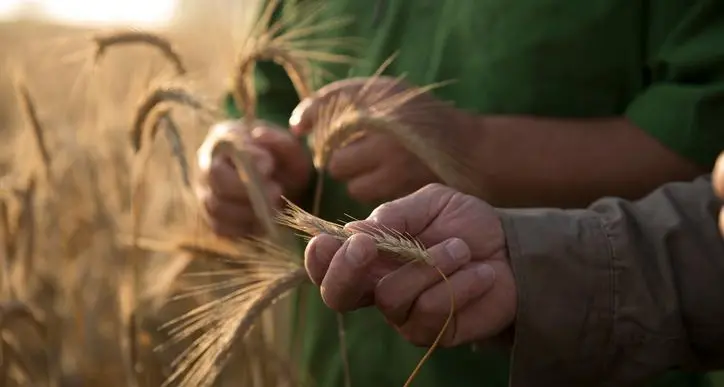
column 403, row 246
column 107, row 40
column 157, row 96
column 291, row 43
column 232, row 146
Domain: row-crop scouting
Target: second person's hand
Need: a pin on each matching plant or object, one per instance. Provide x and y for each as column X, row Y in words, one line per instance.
column 280, row 159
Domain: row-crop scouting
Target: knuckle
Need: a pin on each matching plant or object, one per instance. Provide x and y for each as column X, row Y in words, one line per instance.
column 426, row 307
column 386, row 301
column 417, row 337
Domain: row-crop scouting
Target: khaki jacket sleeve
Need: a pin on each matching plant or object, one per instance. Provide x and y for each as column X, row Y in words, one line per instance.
column 619, row 292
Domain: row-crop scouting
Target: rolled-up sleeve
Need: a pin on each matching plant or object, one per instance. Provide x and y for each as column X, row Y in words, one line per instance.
column 684, row 106
column 621, row 291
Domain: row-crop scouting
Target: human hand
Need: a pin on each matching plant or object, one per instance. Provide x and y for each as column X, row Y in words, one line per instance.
column 280, row 160
column 377, row 167
column 718, row 181
column 465, row 240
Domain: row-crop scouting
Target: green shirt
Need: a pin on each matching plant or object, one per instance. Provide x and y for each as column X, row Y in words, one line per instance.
column 659, row 63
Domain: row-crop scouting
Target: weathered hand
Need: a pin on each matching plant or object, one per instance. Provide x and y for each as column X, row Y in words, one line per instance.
column 377, row 167
column 465, row 239
column 281, row 161
column 718, row 180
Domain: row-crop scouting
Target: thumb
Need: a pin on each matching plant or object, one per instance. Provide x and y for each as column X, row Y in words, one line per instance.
column 301, row 121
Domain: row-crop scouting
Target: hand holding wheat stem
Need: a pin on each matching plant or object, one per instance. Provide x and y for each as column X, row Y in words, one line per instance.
column 400, row 245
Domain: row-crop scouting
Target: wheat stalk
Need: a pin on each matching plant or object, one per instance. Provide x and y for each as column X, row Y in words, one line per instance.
column 157, row 96
column 289, row 42
column 107, row 40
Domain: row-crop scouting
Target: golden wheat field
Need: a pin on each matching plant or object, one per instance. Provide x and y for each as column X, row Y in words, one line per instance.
column 93, row 256
column 109, row 274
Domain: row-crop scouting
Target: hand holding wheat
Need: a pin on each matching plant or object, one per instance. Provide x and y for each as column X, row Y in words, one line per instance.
column 383, row 138
column 280, row 160
column 466, row 243
column 718, row 180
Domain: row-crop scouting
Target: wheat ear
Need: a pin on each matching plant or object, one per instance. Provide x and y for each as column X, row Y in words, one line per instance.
column 157, row 96
column 264, row 273
column 400, row 245
column 290, row 42
column 389, row 110
column 30, row 113
column 105, row 41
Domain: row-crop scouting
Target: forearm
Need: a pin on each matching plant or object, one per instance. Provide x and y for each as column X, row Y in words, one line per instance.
column 617, row 293
column 529, row 161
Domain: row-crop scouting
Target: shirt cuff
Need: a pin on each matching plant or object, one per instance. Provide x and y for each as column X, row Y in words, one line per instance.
column 562, row 262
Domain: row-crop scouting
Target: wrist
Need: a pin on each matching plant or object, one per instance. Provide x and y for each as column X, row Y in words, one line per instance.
column 477, row 150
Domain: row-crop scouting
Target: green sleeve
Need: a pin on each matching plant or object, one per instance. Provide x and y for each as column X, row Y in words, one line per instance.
column 684, row 106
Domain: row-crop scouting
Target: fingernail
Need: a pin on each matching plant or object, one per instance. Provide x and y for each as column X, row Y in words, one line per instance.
column 296, row 116
column 457, row 249
column 354, row 252
column 485, row 272
column 258, row 132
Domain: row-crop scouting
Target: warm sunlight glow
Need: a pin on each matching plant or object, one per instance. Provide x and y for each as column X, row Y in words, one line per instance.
column 118, row 12
column 9, row 6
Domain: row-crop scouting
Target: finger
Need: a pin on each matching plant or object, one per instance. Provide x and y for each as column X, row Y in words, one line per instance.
column 283, row 147
column 356, row 158
column 304, row 115
column 223, row 177
column 318, row 255
column 226, row 209
column 413, row 213
column 236, row 229
column 432, row 309
column 300, row 122
column 372, row 187
column 488, row 315
column 343, row 287
column 396, row 293
column 718, row 176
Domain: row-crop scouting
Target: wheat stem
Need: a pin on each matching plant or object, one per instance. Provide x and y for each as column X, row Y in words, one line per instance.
column 31, row 116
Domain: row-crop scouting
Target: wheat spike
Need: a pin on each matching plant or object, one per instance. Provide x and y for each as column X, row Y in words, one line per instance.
column 157, row 96
column 107, row 40
column 400, row 245
column 349, row 115
column 291, row 43
column 265, row 273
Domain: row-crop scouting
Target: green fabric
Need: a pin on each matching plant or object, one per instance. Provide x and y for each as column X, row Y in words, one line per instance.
column 655, row 61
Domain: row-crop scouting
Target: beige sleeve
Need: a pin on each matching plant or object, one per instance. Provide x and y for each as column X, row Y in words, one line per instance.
column 619, row 292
